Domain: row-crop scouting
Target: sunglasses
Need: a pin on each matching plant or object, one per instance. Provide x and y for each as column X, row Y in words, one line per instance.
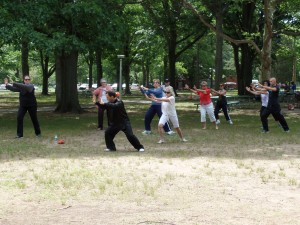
column 27, row 79
column 167, row 92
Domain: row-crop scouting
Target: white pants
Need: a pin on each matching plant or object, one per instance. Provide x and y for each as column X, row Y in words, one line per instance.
column 209, row 109
column 165, row 118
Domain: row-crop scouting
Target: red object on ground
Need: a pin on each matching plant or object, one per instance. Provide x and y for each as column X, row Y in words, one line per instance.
column 60, row 141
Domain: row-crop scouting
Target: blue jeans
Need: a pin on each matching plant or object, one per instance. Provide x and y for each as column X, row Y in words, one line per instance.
column 154, row 109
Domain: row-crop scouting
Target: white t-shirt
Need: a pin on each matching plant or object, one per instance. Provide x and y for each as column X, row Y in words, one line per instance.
column 103, row 97
column 264, row 99
column 168, row 108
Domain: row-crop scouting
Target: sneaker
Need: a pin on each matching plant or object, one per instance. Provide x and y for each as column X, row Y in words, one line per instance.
column 109, row 150
column 217, row 128
column 99, row 128
column 287, row 131
column 170, row 132
column 230, row 122
column 18, row 137
column 160, row 141
column 141, row 150
column 265, row 131
column 38, row 135
column 146, row 132
column 218, row 121
column 183, row 140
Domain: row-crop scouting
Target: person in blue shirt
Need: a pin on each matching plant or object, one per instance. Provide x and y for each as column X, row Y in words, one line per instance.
column 155, row 107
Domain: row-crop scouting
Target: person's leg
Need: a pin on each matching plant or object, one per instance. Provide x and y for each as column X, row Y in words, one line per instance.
column 148, row 118
column 167, row 127
column 264, row 119
column 210, row 112
column 134, row 141
column 20, row 117
column 100, row 118
column 33, row 115
column 281, row 119
column 216, row 111
column 110, row 134
column 160, row 128
column 225, row 111
column 203, row 116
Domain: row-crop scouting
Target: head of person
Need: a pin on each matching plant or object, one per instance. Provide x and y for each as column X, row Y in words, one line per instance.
column 203, row 84
column 273, row 81
column 103, row 82
column 156, row 83
column 111, row 96
column 26, row 79
column 266, row 83
column 167, row 82
column 222, row 86
column 168, row 92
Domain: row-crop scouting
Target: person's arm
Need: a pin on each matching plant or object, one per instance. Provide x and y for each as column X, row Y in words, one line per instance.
column 154, row 99
column 10, row 87
column 188, row 88
column 268, row 88
column 24, row 87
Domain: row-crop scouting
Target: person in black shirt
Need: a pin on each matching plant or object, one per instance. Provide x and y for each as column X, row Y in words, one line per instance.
column 273, row 107
column 221, row 104
column 118, row 121
column 27, row 103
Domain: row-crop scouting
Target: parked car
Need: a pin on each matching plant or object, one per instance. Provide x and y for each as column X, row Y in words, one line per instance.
column 83, row 86
column 134, row 86
column 115, row 86
column 94, row 86
column 2, row 87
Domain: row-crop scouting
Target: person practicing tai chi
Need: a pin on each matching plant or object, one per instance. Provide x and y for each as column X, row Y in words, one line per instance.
column 206, row 105
column 168, row 113
column 100, row 93
column 221, row 104
column 118, row 121
column 155, row 107
column 273, row 106
column 27, row 103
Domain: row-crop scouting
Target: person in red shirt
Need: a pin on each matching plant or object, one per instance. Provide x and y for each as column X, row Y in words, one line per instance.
column 206, row 105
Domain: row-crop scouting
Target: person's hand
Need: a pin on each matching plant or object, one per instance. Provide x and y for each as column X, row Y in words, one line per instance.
column 186, row 86
column 5, row 81
column 247, row 88
column 194, row 87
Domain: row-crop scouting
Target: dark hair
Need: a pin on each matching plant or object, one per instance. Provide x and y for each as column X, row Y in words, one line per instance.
column 111, row 93
column 267, row 81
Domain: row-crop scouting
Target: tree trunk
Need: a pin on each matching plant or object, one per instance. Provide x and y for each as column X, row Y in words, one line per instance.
column 90, row 64
column 25, row 53
column 66, row 83
column 99, row 66
column 219, row 44
column 266, row 61
column 172, row 44
column 45, row 64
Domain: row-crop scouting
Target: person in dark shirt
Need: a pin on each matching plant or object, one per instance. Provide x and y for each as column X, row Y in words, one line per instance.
column 273, row 107
column 27, row 103
column 118, row 121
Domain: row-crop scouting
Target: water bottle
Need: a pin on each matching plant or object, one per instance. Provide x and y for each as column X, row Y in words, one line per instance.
column 55, row 139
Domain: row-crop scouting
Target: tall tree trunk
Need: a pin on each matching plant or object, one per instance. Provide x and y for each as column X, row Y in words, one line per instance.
column 172, row 44
column 99, row 66
column 25, row 53
column 66, row 83
column 219, row 44
column 247, row 56
column 266, row 60
column 90, row 64
column 44, row 64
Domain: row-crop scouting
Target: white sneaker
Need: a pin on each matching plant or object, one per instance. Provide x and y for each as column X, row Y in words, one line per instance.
column 170, row 132
column 141, row 150
column 109, row 150
column 218, row 122
column 146, row 132
column 160, row 141
column 230, row 122
column 184, row 140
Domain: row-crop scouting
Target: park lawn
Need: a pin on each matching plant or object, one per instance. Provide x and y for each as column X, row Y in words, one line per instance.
column 234, row 175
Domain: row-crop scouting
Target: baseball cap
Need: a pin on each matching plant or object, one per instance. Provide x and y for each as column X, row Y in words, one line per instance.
column 167, row 80
column 103, row 81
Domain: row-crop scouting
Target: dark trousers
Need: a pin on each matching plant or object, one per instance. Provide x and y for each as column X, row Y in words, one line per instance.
column 112, row 131
column 32, row 110
column 224, row 108
column 276, row 113
column 100, row 117
column 154, row 109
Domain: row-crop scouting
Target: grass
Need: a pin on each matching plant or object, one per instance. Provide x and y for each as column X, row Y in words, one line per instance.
column 81, row 171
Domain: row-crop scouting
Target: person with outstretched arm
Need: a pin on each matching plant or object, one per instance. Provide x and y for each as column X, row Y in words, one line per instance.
column 28, row 104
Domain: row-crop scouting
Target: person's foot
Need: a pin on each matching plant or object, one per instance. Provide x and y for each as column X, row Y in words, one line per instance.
column 109, row 150
column 160, row 141
column 217, row 128
column 18, row 137
column 141, row 150
column 287, row 131
column 170, row 132
column 230, row 122
column 218, row 121
column 203, row 128
column 100, row 128
column 146, row 132
column 38, row 135
column 265, row 131
column 183, row 140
